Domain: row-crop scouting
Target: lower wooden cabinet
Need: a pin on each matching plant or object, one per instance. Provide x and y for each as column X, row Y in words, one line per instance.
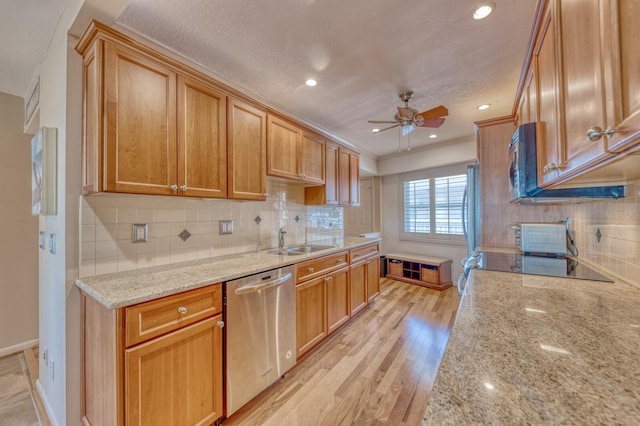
column 168, row 378
column 338, row 311
column 358, row 287
column 373, row 278
column 311, row 318
column 176, row 378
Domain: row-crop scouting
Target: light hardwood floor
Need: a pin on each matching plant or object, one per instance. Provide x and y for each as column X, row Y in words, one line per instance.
column 376, row 370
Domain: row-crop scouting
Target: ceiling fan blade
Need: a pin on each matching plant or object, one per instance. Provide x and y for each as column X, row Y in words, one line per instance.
column 434, row 122
column 405, row 113
column 439, row 111
column 380, row 121
column 387, row 128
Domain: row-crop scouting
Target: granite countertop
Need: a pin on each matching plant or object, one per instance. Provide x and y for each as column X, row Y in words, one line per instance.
column 128, row 288
column 531, row 349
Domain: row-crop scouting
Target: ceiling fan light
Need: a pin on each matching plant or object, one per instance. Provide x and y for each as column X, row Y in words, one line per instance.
column 376, row 130
column 311, row 82
column 483, row 107
column 483, row 11
column 433, row 136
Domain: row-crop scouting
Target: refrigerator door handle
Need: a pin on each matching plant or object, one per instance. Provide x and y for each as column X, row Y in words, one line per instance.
column 464, row 213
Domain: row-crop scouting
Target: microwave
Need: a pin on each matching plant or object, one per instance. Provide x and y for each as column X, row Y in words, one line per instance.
column 523, row 175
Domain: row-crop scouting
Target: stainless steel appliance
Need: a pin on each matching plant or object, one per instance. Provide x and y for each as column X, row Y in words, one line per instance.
column 260, row 333
column 523, row 175
column 548, row 238
column 470, row 220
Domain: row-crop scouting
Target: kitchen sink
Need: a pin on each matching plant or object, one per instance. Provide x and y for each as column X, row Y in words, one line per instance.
column 301, row 249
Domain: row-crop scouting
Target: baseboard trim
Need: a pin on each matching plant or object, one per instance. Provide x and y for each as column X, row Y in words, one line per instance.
column 18, row 348
column 45, row 402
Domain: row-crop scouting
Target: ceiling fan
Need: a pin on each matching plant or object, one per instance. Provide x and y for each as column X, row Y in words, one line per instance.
column 409, row 118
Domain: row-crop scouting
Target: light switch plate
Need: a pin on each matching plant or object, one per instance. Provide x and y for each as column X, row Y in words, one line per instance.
column 226, row 227
column 43, row 236
column 140, row 232
column 52, row 243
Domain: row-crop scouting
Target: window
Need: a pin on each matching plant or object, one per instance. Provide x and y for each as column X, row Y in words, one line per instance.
column 431, row 204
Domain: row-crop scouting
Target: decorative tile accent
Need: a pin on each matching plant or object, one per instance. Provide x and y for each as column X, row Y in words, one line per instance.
column 297, row 219
column 257, row 220
column 184, row 235
column 598, row 234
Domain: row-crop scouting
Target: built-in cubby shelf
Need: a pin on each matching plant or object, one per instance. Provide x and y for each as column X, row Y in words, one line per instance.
column 426, row 271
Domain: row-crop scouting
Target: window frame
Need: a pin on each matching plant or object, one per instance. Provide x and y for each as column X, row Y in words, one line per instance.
column 431, row 174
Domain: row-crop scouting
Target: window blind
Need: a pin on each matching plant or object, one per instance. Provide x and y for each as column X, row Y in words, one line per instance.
column 417, row 201
column 448, row 204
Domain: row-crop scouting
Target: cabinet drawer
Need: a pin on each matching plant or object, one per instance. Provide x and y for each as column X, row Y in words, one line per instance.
column 321, row 266
column 157, row 317
column 363, row 252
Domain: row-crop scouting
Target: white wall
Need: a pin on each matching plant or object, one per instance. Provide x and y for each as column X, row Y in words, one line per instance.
column 19, row 242
column 428, row 157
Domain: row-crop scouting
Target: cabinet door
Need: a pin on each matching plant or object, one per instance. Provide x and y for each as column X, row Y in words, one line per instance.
column 177, row 378
column 373, row 278
column 202, row 140
column 312, row 158
column 331, row 173
column 283, row 146
column 344, row 161
column 624, row 16
column 311, row 320
column 247, row 151
column 548, row 127
column 354, row 179
column 140, row 115
column 358, row 287
column 338, row 311
column 583, row 81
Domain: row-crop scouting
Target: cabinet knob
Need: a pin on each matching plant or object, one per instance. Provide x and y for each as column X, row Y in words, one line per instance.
column 328, row 279
column 174, row 187
column 311, row 269
column 595, row 133
column 183, row 187
column 341, row 260
column 220, row 324
column 182, row 310
column 548, row 168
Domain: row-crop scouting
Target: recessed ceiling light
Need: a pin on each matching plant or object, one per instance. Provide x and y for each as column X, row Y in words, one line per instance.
column 375, row 130
column 483, row 106
column 483, row 11
column 433, row 136
column 311, row 82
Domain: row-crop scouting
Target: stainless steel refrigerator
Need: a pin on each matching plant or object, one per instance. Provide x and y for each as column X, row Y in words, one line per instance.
column 471, row 207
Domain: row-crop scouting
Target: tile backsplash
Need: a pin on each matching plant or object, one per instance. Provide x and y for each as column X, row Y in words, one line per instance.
column 106, row 227
column 617, row 250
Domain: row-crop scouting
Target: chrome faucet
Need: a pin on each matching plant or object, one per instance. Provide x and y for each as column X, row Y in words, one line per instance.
column 281, row 239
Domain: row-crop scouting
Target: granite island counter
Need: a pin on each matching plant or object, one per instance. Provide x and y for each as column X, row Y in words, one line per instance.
column 122, row 289
column 529, row 349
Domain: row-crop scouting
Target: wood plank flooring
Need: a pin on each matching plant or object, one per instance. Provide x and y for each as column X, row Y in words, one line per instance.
column 376, row 370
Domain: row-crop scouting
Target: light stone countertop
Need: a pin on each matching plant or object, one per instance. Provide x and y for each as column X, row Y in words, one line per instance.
column 529, row 349
column 128, row 288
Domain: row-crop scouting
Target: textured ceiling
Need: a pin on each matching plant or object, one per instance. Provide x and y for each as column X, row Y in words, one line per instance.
column 26, row 27
column 362, row 52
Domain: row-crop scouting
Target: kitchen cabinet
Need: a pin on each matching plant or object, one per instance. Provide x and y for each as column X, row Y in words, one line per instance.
column 337, row 290
column 588, row 105
column 327, row 193
column 311, row 319
column 364, row 276
column 373, row 278
column 348, row 178
column 148, row 128
column 294, row 153
column 247, row 151
column 357, row 287
column 124, row 349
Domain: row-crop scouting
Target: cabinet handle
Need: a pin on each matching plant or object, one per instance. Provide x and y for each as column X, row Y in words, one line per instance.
column 341, row 260
column 550, row 167
column 183, row 187
column 220, row 324
column 174, row 187
column 182, row 310
column 311, row 269
column 328, row 279
column 595, row 133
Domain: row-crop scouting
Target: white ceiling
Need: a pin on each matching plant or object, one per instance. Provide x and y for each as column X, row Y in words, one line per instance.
column 26, row 27
column 362, row 52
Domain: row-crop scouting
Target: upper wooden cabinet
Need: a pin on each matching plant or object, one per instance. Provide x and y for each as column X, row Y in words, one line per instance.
column 147, row 127
column 585, row 66
column 247, row 137
column 348, row 177
column 294, row 153
column 202, row 140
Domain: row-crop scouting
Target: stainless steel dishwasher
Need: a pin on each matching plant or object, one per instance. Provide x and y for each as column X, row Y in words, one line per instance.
column 260, row 333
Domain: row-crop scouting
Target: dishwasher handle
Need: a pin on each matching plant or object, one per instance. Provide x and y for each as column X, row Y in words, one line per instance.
column 263, row 286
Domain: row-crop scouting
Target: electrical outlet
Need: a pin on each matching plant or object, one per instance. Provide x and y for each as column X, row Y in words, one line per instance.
column 45, row 356
column 52, row 243
column 51, row 369
column 140, row 232
column 41, row 242
column 226, row 227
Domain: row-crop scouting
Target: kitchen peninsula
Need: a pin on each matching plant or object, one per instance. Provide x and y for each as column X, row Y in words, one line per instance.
column 529, row 349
